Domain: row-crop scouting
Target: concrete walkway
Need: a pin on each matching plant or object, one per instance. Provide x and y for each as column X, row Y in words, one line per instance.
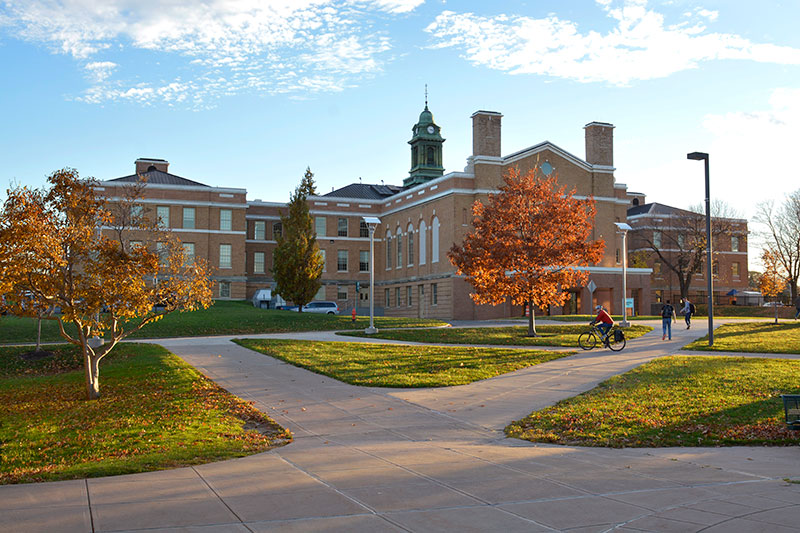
column 368, row 459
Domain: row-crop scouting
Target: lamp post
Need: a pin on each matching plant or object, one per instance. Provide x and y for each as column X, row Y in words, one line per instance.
column 623, row 229
column 371, row 222
column 701, row 156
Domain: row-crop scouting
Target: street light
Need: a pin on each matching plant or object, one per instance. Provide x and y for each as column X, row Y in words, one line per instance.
column 623, row 229
column 701, row 156
column 371, row 222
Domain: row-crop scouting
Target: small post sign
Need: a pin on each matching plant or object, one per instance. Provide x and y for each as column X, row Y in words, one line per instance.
column 629, row 303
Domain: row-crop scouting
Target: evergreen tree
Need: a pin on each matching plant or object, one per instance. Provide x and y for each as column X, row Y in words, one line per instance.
column 298, row 262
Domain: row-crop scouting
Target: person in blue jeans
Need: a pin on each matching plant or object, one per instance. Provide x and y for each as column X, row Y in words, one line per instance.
column 797, row 306
column 603, row 320
column 667, row 317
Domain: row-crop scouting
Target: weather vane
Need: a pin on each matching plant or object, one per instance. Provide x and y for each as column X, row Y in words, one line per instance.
column 426, row 95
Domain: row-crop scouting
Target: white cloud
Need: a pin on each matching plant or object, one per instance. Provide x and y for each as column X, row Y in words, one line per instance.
column 240, row 44
column 99, row 71
column 640, row 46
column 754, row 152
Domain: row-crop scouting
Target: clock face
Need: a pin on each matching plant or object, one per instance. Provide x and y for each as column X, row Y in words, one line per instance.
column 430, row 129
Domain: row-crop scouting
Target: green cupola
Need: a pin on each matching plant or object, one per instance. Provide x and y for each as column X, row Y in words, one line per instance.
column 426, row 150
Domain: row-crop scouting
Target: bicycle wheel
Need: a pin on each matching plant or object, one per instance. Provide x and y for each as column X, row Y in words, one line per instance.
column 587, row 340
column 616, row 345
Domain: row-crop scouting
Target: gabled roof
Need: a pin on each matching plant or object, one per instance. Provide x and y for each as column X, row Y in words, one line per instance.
column 156, row 177
column 657, row 209
column 365, row 191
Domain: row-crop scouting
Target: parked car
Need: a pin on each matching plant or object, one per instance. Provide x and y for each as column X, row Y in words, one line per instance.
column 773, row 304
column 328, row 308
column 286, row 307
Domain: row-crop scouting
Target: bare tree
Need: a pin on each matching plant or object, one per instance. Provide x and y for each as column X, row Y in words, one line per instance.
column 782, row 236
column 680, row 244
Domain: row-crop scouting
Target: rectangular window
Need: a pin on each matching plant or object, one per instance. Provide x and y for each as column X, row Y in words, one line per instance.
column 324, row 260
column 341, row 292
column 735, row 270
column 659, row 296
column 681, row 240
column 363, row 229
column 319, row 226
column 388, row 251
column 341, row 228
column 162, row 211
column 715, row 268
column 161, row 250
column 408, row 296
column 188, row 253
column 188, row 218
column 277, row 230
column 386, row 297
column 734, row 244
column 434, row 294
column 224, row 289
column 225, row 256
column 137, row 212
column 617, row 256
column 135, row 244
column 259, row 230
column 397, row 296
column 258, row 262
column 410, row 248
column 657, row 239
column 399, row 249
column 225, row 219
column 341, row 260
column 700, row 270
column 320, row 293
column 363, row 261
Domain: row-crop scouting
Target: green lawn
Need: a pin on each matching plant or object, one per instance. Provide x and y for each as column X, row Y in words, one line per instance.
column 223, row 318
column 155, row 412
column 550, row 335
column 675, row 401
column 392, row 365
column 758, row 337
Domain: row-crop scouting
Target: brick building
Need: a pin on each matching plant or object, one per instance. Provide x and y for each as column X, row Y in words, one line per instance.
column 420, row 221
column 670, row 229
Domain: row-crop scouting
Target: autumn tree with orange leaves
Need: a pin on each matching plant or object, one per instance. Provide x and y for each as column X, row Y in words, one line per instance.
column 55, row 255
column 527, row 241
column 772, row 282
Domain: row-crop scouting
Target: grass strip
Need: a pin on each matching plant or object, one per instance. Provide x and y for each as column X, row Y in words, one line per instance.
column 393, row 365
column 753, row 337
column 550, row 335
column 223, row 318
column 675, row 401
column 155, row 412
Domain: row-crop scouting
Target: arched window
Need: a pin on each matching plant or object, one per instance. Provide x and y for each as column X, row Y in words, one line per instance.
column 422, row 242
column 414, row 156
column 410, row 244
column 431, row 158
column 388, row 249
column 435, row 240
column 399, row 248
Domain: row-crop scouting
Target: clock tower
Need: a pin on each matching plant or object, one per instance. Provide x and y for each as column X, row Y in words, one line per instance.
column 426, row 150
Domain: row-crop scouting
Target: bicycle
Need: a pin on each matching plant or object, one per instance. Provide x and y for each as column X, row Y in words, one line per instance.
column 615, row 340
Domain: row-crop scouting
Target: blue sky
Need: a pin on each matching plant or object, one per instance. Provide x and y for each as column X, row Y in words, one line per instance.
column 248, row 93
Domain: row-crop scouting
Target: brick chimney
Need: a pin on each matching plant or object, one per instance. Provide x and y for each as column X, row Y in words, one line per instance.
column 600, row 143
column 486, row 133
column 145, row 164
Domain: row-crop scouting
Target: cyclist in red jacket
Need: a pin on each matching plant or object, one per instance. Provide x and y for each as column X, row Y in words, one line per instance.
column 603, row 320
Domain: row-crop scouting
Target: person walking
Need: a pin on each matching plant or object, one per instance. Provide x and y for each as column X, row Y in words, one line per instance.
column 667, row 317
column 687, row 311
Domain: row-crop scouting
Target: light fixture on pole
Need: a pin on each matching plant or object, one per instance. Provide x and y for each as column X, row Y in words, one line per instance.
column 702, row 156
column 371, row 222
column 623, row 229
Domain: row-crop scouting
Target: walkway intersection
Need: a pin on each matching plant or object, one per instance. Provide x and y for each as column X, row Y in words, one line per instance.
column 369, row 459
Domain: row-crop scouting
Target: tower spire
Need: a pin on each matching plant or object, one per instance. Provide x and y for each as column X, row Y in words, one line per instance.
column 426, row 96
